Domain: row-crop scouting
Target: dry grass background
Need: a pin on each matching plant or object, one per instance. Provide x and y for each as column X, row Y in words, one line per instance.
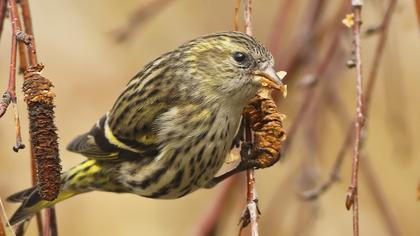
column 89, row 70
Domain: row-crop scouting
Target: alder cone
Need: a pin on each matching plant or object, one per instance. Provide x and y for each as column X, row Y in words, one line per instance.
column 267, row 124
column 43, row 135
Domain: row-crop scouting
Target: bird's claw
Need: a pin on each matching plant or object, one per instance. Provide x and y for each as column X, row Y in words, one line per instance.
column 250, row 154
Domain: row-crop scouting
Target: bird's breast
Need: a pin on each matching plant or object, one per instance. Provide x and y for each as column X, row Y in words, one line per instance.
column 193, row 149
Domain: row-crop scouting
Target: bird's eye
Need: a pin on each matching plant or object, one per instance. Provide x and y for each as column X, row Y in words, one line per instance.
column 239, row 56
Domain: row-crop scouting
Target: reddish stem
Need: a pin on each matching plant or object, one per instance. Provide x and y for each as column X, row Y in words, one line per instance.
column 418, row 191
column 352, row 194
column 251, row 188
column 11, row 89
column 305, row 34
column 23, row 60
column 50, row 224
column 28, row 40
column 279, row 30
column 334, row 173
column 247, row 15
column 236, row 15
column 212, row 215
column 27, row 21
column 379, row 195
column 379, row 51
column 335, row 170
column 2, row 228
column 6, row 97
column 140, row 16
column 418, row 11
column 3, row 8
column 12, row 68
column 309, row 88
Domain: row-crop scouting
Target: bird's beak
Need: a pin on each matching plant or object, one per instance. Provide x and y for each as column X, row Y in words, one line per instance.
column 271, row 79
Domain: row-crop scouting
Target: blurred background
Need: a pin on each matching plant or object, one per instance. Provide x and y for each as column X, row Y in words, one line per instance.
column 89, row 58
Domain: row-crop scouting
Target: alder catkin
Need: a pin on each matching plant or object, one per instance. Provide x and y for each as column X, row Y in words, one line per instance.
column 44, row 139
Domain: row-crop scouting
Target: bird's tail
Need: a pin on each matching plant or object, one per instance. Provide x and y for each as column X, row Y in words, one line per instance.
column 32, row 203
column 74, row 181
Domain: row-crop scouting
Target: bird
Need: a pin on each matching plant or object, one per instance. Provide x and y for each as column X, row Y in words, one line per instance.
column 172, row 127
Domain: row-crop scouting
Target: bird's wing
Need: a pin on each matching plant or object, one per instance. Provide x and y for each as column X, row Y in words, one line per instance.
column 94, row 143
column 128, row 129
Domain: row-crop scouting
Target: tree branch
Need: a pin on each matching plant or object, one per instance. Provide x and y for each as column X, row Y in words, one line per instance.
column 10, row 95
column 236, row 15
column 309, row 92
column 352, row 200
column 2, row 226
column 334, row 173
column 379, row 196
column 3, row 8
column 138, row 18
column 306, row 34
column 251, row 213
column 45, row 161
column 44, row 147
column 418, row 11
column 279, row 27
column 208, row 223
column 30, row 39
column 418, row 191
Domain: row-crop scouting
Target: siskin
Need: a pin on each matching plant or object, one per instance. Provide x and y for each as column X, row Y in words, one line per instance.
column 172, row 127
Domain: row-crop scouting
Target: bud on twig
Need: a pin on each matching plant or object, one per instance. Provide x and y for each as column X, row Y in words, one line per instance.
column 4, row 103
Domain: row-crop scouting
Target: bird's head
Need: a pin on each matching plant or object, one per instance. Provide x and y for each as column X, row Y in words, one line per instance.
column 229, row 65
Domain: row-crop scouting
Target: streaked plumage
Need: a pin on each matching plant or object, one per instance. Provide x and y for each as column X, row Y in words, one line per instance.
column 171, row 128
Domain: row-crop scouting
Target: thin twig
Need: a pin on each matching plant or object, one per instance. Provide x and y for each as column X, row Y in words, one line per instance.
column 335, row 170
column 309, row 88
column 308, row 174
column 30, row 40
column 378, row 195
column 334, row 173
column 279, row 28
column 252, row 208
column 50, row 225
column 3, row 8
column 23, row 60
column 19, row 144
column 378, row 52
column 17, row 29
column 237, row 15
column 323, row 28
column 2, row 229
column 352, row 200
column 138, row 18
column 305, row 34
column 32, row 68
column 247, row 16
column 277, row 211
column 50, row 222
column 208, row 222
column 418, row 11
column 12, row 73
column 418, row 191
column 334, row 102
column 293, row 60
